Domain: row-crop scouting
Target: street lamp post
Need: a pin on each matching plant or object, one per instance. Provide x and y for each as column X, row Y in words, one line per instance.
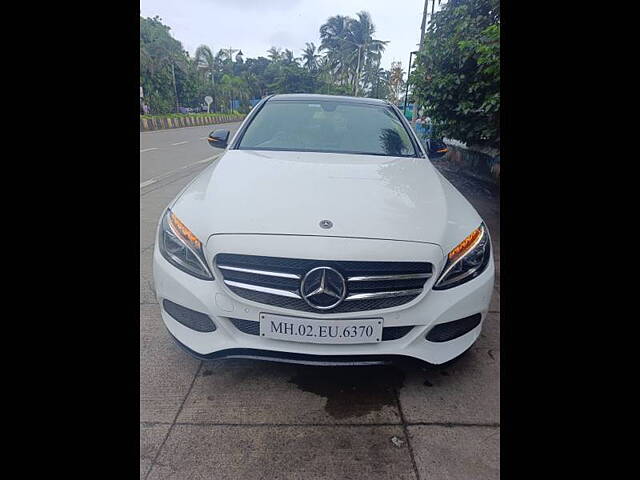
column 406, row 93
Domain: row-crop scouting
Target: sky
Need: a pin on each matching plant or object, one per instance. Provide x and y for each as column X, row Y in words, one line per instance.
column 256, row 25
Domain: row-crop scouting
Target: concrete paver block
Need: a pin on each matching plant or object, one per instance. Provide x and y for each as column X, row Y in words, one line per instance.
column 466, row 391
column 456, row 453
column 147, row 288
column 151, row 437
column 494, row 306
column 291, row 452
column 166, row 372
column 490, row 334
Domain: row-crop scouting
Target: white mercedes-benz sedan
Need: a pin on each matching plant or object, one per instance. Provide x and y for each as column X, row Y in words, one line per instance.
column 323, row 235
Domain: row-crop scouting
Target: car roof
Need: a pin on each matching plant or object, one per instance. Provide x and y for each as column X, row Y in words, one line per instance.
column 318, row 97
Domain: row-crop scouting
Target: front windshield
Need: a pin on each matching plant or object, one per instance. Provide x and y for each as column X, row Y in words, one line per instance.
column 328, row 126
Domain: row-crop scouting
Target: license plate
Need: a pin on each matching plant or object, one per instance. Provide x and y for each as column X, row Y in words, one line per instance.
column 311, row 330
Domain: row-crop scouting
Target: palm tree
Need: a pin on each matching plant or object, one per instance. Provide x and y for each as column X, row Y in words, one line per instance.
column 309, row 57
column 372, row 72
column 274, row 54
column 234, row 88
column 205, row 62
column 287, row 57
column 253, row 84
column 361, row 33
column 379, row 80
column 324, row 72
column 333, row 34
column 350, row 45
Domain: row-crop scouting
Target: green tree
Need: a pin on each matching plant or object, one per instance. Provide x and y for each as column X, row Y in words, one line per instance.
column 379, row 80
column 160, row 56
column 367, row 48
column 396, row 82
column 457, row 76
column 287, row 57
column 292, row 78
column 274, row 54
column 310, row 57
column 333, row 34
column 350, row 48
column 191, row 84
column 206, row 64
column 233, row 88
column 257, row 67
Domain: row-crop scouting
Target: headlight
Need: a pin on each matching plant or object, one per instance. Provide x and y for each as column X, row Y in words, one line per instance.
column 467, row 260
column 182, row 248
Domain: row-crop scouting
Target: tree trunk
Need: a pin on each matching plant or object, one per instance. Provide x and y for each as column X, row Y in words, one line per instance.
column 213, row 90
column 357, row 79
column 175, row 87
column 378, row 78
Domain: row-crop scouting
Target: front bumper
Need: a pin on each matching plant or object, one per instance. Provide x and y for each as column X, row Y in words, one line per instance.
column 220, row 304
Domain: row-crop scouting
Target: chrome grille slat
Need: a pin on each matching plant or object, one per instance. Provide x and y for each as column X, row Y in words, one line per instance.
column 260, row 272
column 372, row 295
column 258, row 288
column 377, row 278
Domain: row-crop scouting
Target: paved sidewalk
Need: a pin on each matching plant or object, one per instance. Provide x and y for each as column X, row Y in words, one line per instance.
column 243, row 419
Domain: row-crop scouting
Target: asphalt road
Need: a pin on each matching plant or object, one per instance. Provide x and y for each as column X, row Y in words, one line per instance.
column 231, row 419
column 165, row 152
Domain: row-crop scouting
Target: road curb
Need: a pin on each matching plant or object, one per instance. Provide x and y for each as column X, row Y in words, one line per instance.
column 165, row 123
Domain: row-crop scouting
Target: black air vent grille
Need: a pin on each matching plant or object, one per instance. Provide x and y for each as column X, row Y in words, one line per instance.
column 443, row 332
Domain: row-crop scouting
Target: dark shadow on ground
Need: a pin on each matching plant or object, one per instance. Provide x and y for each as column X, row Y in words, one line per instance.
column 356, row 391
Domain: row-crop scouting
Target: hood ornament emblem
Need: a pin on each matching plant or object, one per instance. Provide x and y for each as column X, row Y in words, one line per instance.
column 323, row 288
column 326, row 224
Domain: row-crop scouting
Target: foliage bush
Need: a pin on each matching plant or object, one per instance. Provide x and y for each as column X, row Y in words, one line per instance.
column 457, row 77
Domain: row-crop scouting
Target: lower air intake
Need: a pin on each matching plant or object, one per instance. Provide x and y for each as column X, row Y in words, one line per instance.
column 189, row 318
column 444, row 332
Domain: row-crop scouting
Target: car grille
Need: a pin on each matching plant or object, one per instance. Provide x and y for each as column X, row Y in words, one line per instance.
column 276, row 281
column 252, row 327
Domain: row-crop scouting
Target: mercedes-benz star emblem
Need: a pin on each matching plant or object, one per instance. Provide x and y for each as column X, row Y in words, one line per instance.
column 323, row 288
column 326, row 224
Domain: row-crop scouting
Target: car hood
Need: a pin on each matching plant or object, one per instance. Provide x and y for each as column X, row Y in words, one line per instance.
column 364, row 196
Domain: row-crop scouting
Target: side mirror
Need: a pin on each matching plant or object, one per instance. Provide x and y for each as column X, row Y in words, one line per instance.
column 437, row 149
column 218, row 138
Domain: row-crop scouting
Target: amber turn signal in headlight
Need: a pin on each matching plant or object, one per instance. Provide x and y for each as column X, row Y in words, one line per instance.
column 466, row 260
column 184, row 231
column 465, row 245
column 180, row 247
